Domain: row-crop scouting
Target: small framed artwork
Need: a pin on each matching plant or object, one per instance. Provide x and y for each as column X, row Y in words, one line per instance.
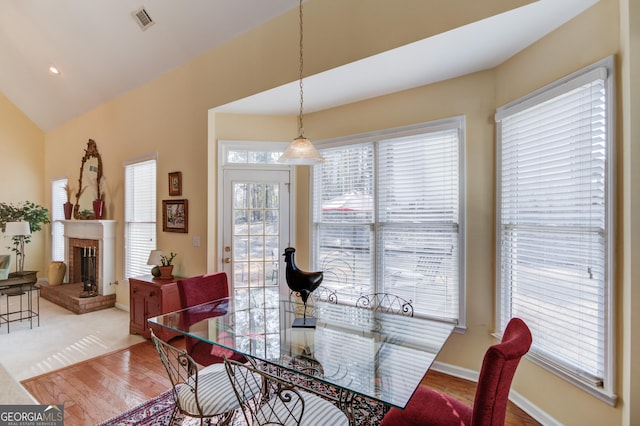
column 175, row 183
column 175, row 216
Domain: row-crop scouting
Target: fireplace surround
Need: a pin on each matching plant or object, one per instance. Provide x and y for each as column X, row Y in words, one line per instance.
column 97, row 236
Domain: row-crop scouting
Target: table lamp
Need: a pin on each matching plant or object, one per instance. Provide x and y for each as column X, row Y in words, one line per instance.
column 155, row 258
column 18, row 230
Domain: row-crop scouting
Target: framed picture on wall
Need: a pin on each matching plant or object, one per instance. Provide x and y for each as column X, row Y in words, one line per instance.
column 175, row 216
column 175, row 183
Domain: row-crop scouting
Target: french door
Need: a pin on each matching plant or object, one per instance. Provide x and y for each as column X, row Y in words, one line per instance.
column 255, row 215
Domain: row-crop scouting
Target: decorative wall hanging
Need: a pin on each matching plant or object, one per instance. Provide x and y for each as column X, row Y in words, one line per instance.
column 175, row 216
column 175, row 183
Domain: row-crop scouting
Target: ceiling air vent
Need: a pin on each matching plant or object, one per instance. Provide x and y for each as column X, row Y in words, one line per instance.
column 142, row 18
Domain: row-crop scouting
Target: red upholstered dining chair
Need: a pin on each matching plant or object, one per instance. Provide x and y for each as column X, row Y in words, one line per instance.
column 196, row 291
column 428, row 407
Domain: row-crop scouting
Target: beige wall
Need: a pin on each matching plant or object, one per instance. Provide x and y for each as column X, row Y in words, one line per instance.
column 22, row 177
column 592, row 36
column 171, row 116
column 629, row 277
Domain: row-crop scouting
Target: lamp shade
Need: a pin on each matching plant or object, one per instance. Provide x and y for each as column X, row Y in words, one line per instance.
column 301, row 152
column 14, row 229
column 155, row 257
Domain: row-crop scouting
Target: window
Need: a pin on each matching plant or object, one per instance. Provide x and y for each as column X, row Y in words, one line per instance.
column 58, row 198
column 140, row 214
column 555, row 235
column 386, row 216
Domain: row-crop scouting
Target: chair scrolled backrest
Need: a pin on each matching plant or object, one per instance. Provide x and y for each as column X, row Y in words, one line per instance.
column 498, row 368
column 181, row 368
column 201, row 393
column 265, row 399
column 386, row 302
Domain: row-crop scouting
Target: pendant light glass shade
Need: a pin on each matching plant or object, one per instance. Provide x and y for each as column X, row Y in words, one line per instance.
column 301, row 151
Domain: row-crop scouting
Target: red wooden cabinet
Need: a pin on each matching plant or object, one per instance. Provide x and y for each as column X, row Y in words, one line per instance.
column 150, row 297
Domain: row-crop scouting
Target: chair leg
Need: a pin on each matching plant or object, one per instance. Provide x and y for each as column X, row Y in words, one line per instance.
column 173, row 414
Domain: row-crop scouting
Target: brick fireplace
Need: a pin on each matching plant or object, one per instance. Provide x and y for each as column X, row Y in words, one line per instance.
column 90, row 258
column 97, row 236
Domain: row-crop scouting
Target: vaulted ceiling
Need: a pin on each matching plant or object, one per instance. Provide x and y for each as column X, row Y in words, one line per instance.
column 102, row 52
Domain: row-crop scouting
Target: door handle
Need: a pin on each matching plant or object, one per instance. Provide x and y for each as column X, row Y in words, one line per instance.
column 227, row 260
column 227, row 250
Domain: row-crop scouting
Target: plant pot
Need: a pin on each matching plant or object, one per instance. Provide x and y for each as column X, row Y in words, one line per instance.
column 98, row 208
column 68, row 210
column 55, row 273
column 166, row 272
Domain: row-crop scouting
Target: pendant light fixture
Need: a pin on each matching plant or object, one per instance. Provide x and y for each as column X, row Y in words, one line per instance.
column 301, row 151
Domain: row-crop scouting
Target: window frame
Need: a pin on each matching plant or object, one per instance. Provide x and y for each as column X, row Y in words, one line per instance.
column 551, row 91
column 132, row 162
column 458, row 122
column 57, row 215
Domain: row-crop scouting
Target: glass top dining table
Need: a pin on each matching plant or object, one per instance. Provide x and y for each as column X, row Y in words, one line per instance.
column 381, row 356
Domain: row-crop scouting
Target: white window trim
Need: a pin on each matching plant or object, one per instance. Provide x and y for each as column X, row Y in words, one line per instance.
column 128, row 162
column 606, row 392
column 226, row 145
column 410, row 130
column 53, row 200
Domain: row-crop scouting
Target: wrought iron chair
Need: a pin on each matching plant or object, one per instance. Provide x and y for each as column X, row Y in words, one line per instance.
column 205, row 393
column 278, row 402
column 428, row 407
column 386, row 302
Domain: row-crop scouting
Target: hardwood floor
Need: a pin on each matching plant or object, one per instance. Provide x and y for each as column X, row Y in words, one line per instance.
column 464, row 391
column 98, row 389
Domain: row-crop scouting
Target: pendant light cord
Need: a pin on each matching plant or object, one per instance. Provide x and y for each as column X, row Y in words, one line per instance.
column 301, row 68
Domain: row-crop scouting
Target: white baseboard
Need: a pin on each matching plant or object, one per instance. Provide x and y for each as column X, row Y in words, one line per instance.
column 523, row 403
column 121, row 306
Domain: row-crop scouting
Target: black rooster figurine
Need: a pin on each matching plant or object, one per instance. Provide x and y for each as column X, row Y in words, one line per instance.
column 302, row 282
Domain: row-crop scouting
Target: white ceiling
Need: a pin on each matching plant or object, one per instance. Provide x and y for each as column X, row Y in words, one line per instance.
column 98, row 63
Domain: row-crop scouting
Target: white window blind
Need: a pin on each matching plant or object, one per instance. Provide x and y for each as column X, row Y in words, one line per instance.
column 386, row 217
column 554, row 232
column 343, row 215
column 140, row 215
column 418, row 205
column 58, row 198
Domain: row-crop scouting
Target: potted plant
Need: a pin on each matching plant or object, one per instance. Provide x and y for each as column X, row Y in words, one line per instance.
column 27, row 211
column 166, row 269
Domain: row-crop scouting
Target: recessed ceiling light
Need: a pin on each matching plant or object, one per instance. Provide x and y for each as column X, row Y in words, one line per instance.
column 53, row 70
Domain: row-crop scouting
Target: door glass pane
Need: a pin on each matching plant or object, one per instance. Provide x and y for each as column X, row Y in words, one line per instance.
column 255, row 240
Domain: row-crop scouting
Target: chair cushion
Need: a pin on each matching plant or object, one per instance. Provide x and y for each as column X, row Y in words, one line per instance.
column 215, row 394
column 428, row 407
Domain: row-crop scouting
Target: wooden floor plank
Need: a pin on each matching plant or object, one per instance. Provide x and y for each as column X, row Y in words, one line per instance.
column 98, row 389
column 464, row 391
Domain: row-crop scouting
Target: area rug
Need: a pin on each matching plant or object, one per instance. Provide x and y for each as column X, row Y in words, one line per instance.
column 157, row 412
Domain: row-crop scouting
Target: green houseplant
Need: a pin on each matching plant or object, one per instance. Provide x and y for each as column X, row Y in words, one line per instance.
column 26, row 211
column 166, row 269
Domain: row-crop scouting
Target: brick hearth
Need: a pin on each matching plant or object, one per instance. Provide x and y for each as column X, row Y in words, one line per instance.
column 68, row 296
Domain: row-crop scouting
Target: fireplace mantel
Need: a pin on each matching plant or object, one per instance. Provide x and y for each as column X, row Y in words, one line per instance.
column 102, row 231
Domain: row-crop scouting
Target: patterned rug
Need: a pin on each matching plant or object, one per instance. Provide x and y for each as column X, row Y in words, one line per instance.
column 157, row 412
